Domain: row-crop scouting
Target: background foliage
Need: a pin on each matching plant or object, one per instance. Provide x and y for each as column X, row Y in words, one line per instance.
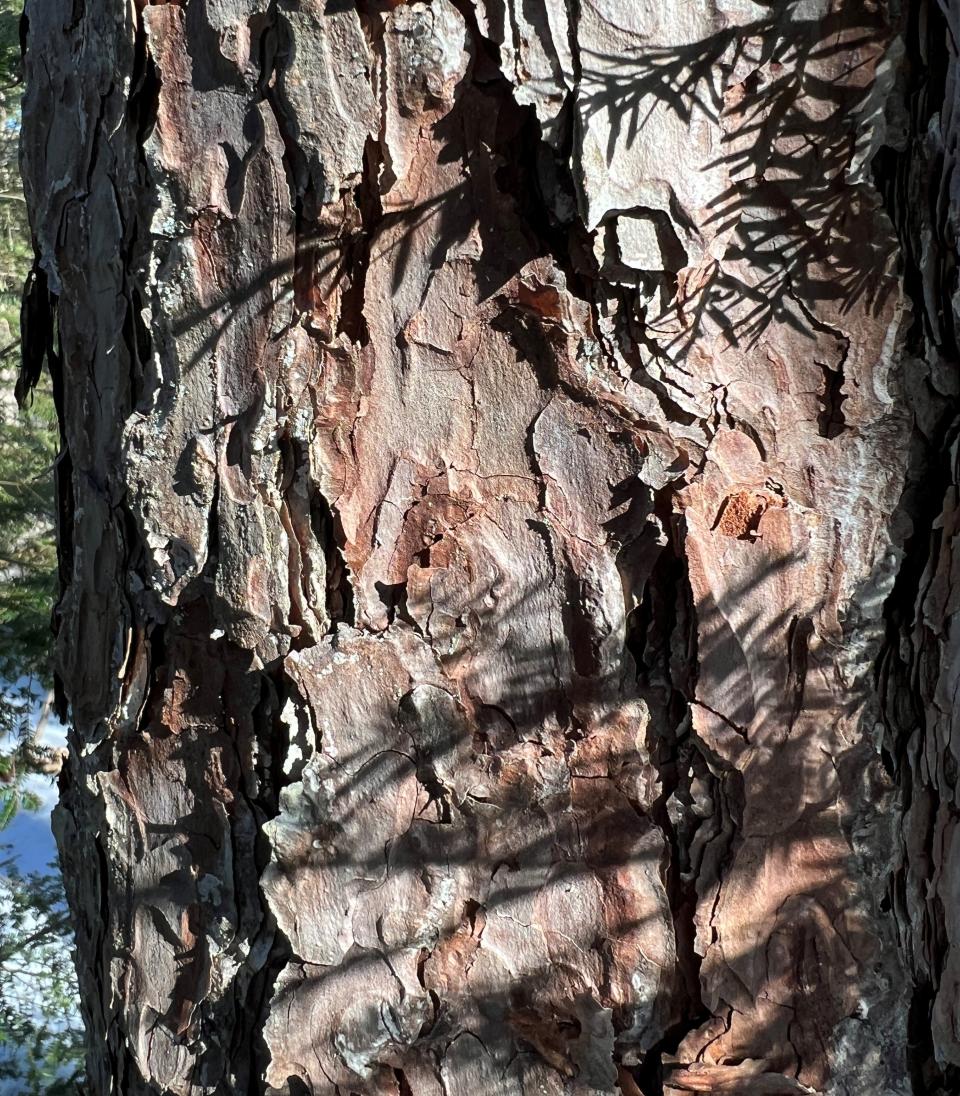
column 41, row 1038
column 41, row 1042
column 28, row 445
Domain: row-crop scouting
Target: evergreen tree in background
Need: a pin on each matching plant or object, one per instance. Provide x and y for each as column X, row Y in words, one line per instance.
column 41, row 1042
column 28, row 444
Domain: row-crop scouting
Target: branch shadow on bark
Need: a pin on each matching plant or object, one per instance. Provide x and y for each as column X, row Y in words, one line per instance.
column 792, row 109
column 682, row 827
column 792, row 123
column 548, row 1011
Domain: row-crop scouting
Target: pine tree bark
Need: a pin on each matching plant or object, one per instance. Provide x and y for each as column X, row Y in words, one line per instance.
column 507, row 505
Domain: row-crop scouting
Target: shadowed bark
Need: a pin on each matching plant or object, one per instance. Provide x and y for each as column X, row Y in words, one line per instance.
column 506, row 524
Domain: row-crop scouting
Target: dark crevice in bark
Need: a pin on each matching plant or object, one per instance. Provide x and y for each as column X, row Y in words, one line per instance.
column 831, row 421
column 38, row 325
column 356, row 256
column 254, row 1005
column 268, row 950
column 328, row 531
column 660, row 638
column 156, row 640
column 142, row 107
column 394, row 599
column 529, row 168
column 911, row 179
column 926, row 1077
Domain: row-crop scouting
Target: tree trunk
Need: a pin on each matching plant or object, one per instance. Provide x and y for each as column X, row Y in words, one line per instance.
column 507, row 514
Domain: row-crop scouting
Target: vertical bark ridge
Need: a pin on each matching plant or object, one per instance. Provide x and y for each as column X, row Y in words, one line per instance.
column 914, row 667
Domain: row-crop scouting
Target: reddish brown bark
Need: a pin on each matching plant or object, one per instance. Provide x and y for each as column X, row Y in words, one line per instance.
column 501, row 447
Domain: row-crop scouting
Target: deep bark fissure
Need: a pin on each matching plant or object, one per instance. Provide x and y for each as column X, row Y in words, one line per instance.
column 669, row 588
column 911, row 183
